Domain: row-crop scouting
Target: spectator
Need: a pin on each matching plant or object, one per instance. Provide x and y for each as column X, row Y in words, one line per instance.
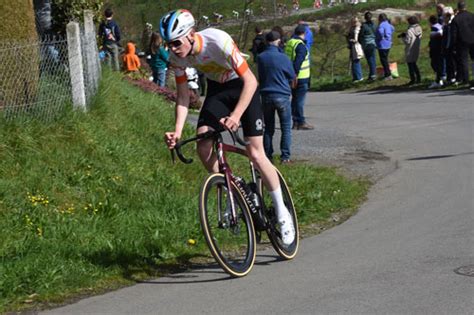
column 308, row 36
column 283, row 37
column 109, row 32
column 383, row 39
column 159, row 59
column 367, row 40
column 275, row 72
column 439, row 13
column 296, row 5
column 146, row 38
column 258, row 43
column 462, row 29
column 447, row 49
column 131, row 62
column 435, row 45
column 298, row 53
column 356, row 53
column 412, row 40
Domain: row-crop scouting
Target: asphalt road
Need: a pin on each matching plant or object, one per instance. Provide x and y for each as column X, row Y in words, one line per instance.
column 403, row 253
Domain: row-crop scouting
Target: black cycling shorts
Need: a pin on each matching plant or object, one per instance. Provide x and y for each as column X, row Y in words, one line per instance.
column 221, row 100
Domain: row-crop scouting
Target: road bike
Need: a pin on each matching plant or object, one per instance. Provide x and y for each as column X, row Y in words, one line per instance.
column 233, row 213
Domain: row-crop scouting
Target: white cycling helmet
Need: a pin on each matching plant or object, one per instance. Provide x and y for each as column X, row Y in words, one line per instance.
column 176, row 24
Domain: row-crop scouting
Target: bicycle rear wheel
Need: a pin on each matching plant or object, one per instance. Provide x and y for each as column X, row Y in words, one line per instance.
column 285, row 251
column 231, row 244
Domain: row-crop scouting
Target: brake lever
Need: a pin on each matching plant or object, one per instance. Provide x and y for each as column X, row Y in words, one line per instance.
column 173, row 158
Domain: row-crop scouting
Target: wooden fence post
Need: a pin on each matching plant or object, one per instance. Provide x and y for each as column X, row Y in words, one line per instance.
column 76, row 69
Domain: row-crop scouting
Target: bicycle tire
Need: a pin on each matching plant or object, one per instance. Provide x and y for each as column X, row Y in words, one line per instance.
column 287, row 252
column 233, row 247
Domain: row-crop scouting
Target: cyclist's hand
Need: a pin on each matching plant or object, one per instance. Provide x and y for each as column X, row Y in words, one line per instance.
column 230, row 123
column 171, row 138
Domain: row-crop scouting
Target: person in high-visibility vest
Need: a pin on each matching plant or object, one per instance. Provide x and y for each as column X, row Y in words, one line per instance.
column 298, row 53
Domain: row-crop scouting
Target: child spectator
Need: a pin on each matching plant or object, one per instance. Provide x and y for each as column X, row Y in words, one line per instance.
column 435, row 45
column 412, row 40
column 158, row 59
column 109, row 31
column 131, row 62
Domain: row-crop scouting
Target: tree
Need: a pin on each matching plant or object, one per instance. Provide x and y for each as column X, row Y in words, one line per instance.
column 65, row 11
column 244, row 24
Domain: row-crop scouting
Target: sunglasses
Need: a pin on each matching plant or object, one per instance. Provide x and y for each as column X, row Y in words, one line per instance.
column 176, row 43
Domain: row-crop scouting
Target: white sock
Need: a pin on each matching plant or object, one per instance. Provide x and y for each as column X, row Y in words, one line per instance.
column 280, row 208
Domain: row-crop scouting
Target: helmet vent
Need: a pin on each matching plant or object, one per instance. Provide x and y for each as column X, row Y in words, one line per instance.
column 175, row 24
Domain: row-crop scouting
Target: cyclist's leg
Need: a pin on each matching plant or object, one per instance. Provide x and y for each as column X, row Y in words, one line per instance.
column 205, row 151
column 216, row 105
column 253, row 131
column 257, row 155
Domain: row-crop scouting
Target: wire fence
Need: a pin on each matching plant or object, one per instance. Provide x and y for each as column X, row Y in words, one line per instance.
column 37, row 78
column 34, row 78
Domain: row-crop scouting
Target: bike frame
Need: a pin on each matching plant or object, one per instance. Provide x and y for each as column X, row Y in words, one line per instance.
column 220, row 149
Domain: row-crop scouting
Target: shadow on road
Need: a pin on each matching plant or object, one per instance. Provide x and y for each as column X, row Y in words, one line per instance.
column 434, row 157
column 194, row 274
column 421, row 89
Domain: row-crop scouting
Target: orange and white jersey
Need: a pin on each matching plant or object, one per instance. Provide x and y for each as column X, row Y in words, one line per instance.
column 217, row 56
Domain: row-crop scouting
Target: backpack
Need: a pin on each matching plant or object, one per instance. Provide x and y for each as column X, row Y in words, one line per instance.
column 109, row 32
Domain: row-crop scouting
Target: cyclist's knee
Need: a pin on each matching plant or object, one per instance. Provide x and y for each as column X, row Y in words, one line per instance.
column 204, row 148
column 257, row 156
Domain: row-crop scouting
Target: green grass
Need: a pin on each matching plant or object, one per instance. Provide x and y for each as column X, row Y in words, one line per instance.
column 90, row 202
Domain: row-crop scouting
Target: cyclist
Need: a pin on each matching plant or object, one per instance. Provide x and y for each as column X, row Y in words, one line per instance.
column 231, row 98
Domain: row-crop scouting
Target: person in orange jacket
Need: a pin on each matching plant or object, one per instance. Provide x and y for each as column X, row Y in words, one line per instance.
column 131, row 62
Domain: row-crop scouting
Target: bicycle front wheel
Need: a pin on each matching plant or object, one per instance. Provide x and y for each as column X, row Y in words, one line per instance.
column 231, row 242
column 286, row 251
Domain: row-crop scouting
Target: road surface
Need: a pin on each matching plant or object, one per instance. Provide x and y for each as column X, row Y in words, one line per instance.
column 409, row 250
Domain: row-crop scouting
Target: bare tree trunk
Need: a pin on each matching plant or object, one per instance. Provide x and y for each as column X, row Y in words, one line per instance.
column 242, row 23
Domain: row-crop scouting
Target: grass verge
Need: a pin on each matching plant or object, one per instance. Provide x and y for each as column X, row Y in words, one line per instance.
column 90, row 202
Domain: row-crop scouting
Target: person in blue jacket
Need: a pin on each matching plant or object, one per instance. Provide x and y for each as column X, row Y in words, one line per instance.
column 383, row 39
column 276, row 73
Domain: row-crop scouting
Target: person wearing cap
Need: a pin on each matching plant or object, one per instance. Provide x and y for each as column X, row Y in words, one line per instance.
column 298, row 53
column 276, row 73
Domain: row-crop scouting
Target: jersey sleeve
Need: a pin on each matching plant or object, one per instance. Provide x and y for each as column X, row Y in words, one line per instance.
column 179, row 70
column 234, row 56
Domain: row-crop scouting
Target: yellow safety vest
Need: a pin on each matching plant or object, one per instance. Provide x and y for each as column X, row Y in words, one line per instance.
column 290, row 51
